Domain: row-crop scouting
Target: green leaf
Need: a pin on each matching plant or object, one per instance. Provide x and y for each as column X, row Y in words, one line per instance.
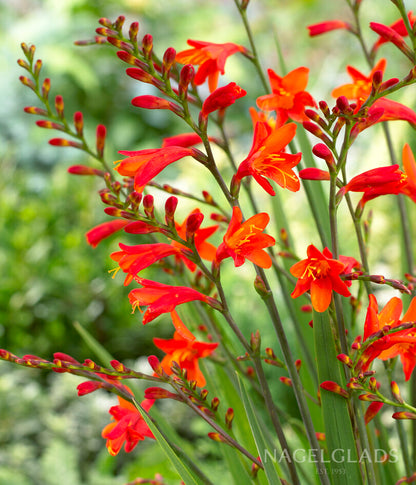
column 102, row 354
column 263, row 448
column 176, row 456
column 343, row 463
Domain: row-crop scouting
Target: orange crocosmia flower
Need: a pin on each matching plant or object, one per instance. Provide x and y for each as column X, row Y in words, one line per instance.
column 144, row 165
column 360, row 88
column 133, row 259
column 402, row 342
column 268, row 159
column 210, row 58
column 160, row 298
column 246, row 240
column 185, row 350
column 409, row 165
column 320, row 274
column 288, row 97
column 128, row 426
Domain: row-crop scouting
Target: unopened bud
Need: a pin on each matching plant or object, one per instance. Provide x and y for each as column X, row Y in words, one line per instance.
column 215, row 403
column 155, row 364
column 147, row 45
column 229, row 416
column 396, row 392
column 316, row 130
column 260, row 287
column 170, row 208
column 168, row 60
column 335, row 388
column 100, row 139
column 133, row 31
column 186, row 76
column 78, row 122
column 345, row 359
column 46, row 87
column 403, row 415
column 298, row 364
column 148, row 206
column 324, row 108
column 322, row 151
column 193, row 223
column 27, row 82
column 59, row 106
column 286, row 381
column 255, row 342
column 118, row 24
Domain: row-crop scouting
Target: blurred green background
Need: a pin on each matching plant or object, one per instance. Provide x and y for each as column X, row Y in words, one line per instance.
column 49, row 276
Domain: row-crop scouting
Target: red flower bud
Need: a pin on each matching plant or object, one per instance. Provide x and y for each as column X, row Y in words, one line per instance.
column 133, row 31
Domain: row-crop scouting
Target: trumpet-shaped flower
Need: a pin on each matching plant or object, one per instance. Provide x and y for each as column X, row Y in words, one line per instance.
column 399, row 27
column 246, row 240
column 288, row 97
column 377, row 181
column 401, row 343
column 185, row 350
column 268, row 159
column 128, row 426
column 320, row 274
column 98, row 233
column 360, row 89
column 328, row 26
column 144, row 165
column 160, row 298
column 210, row 58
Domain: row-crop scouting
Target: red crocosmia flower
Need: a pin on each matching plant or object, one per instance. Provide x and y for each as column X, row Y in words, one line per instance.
column 246, row 240
column 144, row 165
column 288, row 97
column 376, row 182
column 185, row 350
column 210, row 58
column 128, row 426
column 205, row 249
column 320, row 274
column 409, row 165
column 98, row 233
column 268, row 159
column 360, row 89
column 323, row 27
column 221, row 98
column 185, row 140
column 160, row 298
column 133, row 259
column 399, row 27
column 402, row 342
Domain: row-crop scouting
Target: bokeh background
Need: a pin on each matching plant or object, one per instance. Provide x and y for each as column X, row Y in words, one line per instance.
column 50, row 278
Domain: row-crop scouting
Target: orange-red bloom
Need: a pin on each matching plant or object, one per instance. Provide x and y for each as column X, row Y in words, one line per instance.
column 144, row 165
column 127, row 426
column 246, row 240
column 402, row 342
column 320, row 274
column 221, row 98
column 399, row 27
column 268, row 159
column 210, row 58
column 160, row 298
column 360, row 89
column 98, row 233
column 288, row 97
column 376, row 182
column 409, row 165
column 185, row 350
column 327, row 26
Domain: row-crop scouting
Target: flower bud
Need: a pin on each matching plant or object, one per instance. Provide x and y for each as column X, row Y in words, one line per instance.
column 215, row 403
column 147, row 46
column 100, row 139
column 186, row 76
column 78, row 122
column 118, row 24
column 133, row 31
column 335, row 388
column 286, row 381
column 59, row 106
column 193, row 223
column 46, row 86
column 148, row 206
column 170, row 208
column 229, row 416
column 168, row 60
